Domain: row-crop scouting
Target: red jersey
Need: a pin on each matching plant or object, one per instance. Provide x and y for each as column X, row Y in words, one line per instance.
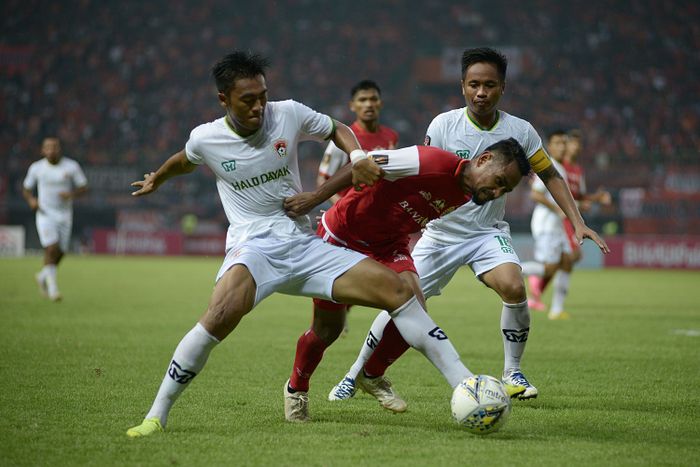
column 421, row 183
column 576, row 180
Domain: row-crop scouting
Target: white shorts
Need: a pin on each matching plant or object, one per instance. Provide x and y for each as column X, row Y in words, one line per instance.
column 437, row 263
column 304, row 265
column 52, row 231
column 549, row 246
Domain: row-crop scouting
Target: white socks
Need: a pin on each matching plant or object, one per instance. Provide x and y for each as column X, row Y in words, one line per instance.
column 533, row 268
column 48, row 273
column 373, row 337
column 515, row 327
column 188, row 360
column 561, row 289
column 421, row 333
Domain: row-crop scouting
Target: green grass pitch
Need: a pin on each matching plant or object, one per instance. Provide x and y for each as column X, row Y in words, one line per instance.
column 619, row 383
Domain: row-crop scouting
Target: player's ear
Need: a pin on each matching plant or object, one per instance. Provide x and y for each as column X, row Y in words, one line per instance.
column 483, row 158
column 222, row 99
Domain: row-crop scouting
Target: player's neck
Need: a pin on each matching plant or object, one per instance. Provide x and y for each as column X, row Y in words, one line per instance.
column 369, row 127
column 484, row 122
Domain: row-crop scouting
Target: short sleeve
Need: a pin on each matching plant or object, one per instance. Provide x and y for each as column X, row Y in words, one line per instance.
column 192, row 149
column 333, row 159
column 30, row 180
column 314, row 125
column 531, row 142
column 397, row 163
column 79, row 178
column 433, row 136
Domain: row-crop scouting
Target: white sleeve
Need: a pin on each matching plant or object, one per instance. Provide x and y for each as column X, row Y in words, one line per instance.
column 433, row 136
column 531, row 142
column 397, row 163
column 316, row 126
column 192, row 149
column 31, row 178
column 582, row 185
column 333, row 159
column 79, row 178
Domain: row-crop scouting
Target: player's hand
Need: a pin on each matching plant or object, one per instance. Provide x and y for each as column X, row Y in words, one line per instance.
column 366, row 172
column 300, row 204
column 65, row 195
column 604, row 197
column 585, row 232
column 145, row 186
column 34, row 204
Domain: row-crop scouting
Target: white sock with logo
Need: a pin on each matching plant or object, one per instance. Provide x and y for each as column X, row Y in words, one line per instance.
column 49, row 273
column 376, row 331
column 561, row 290
column 421, row 333
column 515, row 327
column 188, row 360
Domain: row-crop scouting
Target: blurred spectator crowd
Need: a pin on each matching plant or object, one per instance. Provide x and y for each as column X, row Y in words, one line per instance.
column 123, row 83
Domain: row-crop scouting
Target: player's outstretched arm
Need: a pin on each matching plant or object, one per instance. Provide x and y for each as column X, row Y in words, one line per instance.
column 177, row 164
column 561, row 194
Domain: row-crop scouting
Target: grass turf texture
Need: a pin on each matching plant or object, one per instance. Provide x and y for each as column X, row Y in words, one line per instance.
column 618, row 383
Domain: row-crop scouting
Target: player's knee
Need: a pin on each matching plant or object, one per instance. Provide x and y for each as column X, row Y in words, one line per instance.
column 399, row 292
column 513, row 292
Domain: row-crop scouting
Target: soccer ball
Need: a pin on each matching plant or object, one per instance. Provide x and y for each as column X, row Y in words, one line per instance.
column 481, row 404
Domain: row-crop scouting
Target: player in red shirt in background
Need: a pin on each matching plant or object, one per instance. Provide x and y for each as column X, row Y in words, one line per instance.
column 366, row 103
column 419, row 183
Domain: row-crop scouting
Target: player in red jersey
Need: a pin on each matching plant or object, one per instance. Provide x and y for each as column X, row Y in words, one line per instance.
column 419, row 183
column 366, row 103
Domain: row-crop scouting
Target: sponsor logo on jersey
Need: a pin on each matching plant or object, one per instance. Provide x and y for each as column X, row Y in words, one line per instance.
column 427, row 140
column 229, row 166
column 426, row 194
column 260, row 179
column 417, row 217
column 463, row 153
column 281, row 148
column 179, row 374
column 438, row 205
column 516, row 335
column 380, row 159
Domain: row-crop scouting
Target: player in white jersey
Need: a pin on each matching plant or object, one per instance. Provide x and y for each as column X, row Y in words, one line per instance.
column 552, row 248
column 57, row 180
column 253, row 152
column 473, row 235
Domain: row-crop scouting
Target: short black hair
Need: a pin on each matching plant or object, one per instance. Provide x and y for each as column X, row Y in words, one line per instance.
column 484, row 55
column 364, row 85
column 556, row 132
column 575, row 133
column 237, row 65
column 509, row 150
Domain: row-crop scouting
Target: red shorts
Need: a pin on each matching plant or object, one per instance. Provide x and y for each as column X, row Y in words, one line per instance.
column 396, row 257
column 571, row 235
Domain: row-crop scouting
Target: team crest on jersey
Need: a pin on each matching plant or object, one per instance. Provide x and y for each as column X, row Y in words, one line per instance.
column 427, row 140
column 380, row 159
column 463, row 153
column 281, row 148
column 229, row 166
column 426, row 194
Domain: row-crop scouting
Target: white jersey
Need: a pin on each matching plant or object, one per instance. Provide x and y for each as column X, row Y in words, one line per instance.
column 333, row 159
column 544, row 220
column 51, row 180
column 256, row 173
column 455, row 132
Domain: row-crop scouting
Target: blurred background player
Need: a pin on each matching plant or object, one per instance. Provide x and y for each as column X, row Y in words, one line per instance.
column 57, row 180
column 419, row 183
column 541, row 275
column 552, row 249
column 366, row 103
column 474, row 235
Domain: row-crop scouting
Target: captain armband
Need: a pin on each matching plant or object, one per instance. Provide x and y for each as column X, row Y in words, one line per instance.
column 540, row 161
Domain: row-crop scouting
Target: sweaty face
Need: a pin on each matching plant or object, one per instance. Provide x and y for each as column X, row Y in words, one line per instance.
column 556, row 147
column 51, row 150
column 482, row 88
column 366, row 104
column 245, row 104
column 491, row 180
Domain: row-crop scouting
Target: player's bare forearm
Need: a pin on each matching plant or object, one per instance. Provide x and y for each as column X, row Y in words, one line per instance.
column 30, row 199
column 301, row 203
column 344, row 138
column 177, row 164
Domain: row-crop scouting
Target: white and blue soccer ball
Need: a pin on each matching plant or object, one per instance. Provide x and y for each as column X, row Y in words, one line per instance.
column 481, row 404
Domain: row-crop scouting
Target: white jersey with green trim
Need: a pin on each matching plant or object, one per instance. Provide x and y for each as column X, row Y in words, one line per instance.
column 254, row 174
column 454, row 131
column 544, row 220
column 50, row 180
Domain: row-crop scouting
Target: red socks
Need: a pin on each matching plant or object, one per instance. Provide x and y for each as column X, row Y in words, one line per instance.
column 310, row 350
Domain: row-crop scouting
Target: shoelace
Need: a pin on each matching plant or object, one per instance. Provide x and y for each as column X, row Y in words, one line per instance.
column 345, row 388
column 519, row 379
